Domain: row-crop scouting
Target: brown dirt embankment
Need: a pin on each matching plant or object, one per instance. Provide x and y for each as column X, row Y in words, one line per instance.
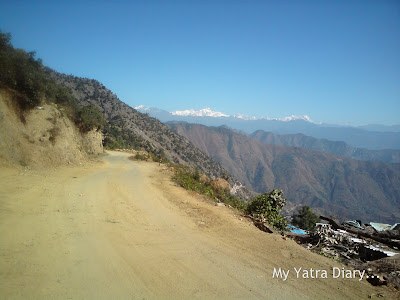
column 42, row 137
column 123, row 230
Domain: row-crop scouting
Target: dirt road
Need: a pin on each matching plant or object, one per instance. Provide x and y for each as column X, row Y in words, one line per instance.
column 123, row 230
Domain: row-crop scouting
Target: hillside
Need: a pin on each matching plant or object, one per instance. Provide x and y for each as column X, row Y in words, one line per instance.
column 127, row 128
column 46, row 138
column 335, row 147
column 334, row 184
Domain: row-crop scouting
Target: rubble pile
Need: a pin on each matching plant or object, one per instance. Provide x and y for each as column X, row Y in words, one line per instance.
column 363, row 247
column 333, row 243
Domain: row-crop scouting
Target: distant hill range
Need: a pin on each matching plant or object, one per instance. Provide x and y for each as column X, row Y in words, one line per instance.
column 372, row 137
column 333, row 184
column 340, row 148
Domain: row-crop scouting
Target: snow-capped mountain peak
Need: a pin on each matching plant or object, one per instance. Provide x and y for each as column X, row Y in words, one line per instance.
column 206, row 112
column 294, row 118
column 142, row 108
column 244, row 117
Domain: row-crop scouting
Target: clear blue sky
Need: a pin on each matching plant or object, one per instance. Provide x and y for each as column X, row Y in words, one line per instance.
column 336, row 61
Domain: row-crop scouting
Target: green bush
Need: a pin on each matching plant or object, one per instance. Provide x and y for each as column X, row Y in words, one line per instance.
column 305, row 219
column 269, row 205
column 90, row 117
column 139, row 156
column 185, row 177
column 21, row 72
column 189, row 179
column 156, row 158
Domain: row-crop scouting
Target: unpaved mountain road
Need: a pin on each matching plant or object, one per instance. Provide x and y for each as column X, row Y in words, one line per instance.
column 122, row 230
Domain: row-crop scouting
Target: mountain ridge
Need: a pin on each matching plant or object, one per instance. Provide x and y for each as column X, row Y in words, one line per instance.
column 335, row 147
column 331, row 183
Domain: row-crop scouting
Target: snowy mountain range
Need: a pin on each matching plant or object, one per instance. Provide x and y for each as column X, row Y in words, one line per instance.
column 208, row 112
column 372, row 137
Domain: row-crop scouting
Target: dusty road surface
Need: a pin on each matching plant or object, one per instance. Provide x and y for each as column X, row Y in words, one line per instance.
column 121, row 230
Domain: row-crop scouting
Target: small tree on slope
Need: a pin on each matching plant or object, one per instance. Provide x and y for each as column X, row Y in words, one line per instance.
column 269, row 205
column 305, row 219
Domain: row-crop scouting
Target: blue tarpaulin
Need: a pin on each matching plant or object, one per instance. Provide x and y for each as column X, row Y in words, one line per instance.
column 296, row 230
